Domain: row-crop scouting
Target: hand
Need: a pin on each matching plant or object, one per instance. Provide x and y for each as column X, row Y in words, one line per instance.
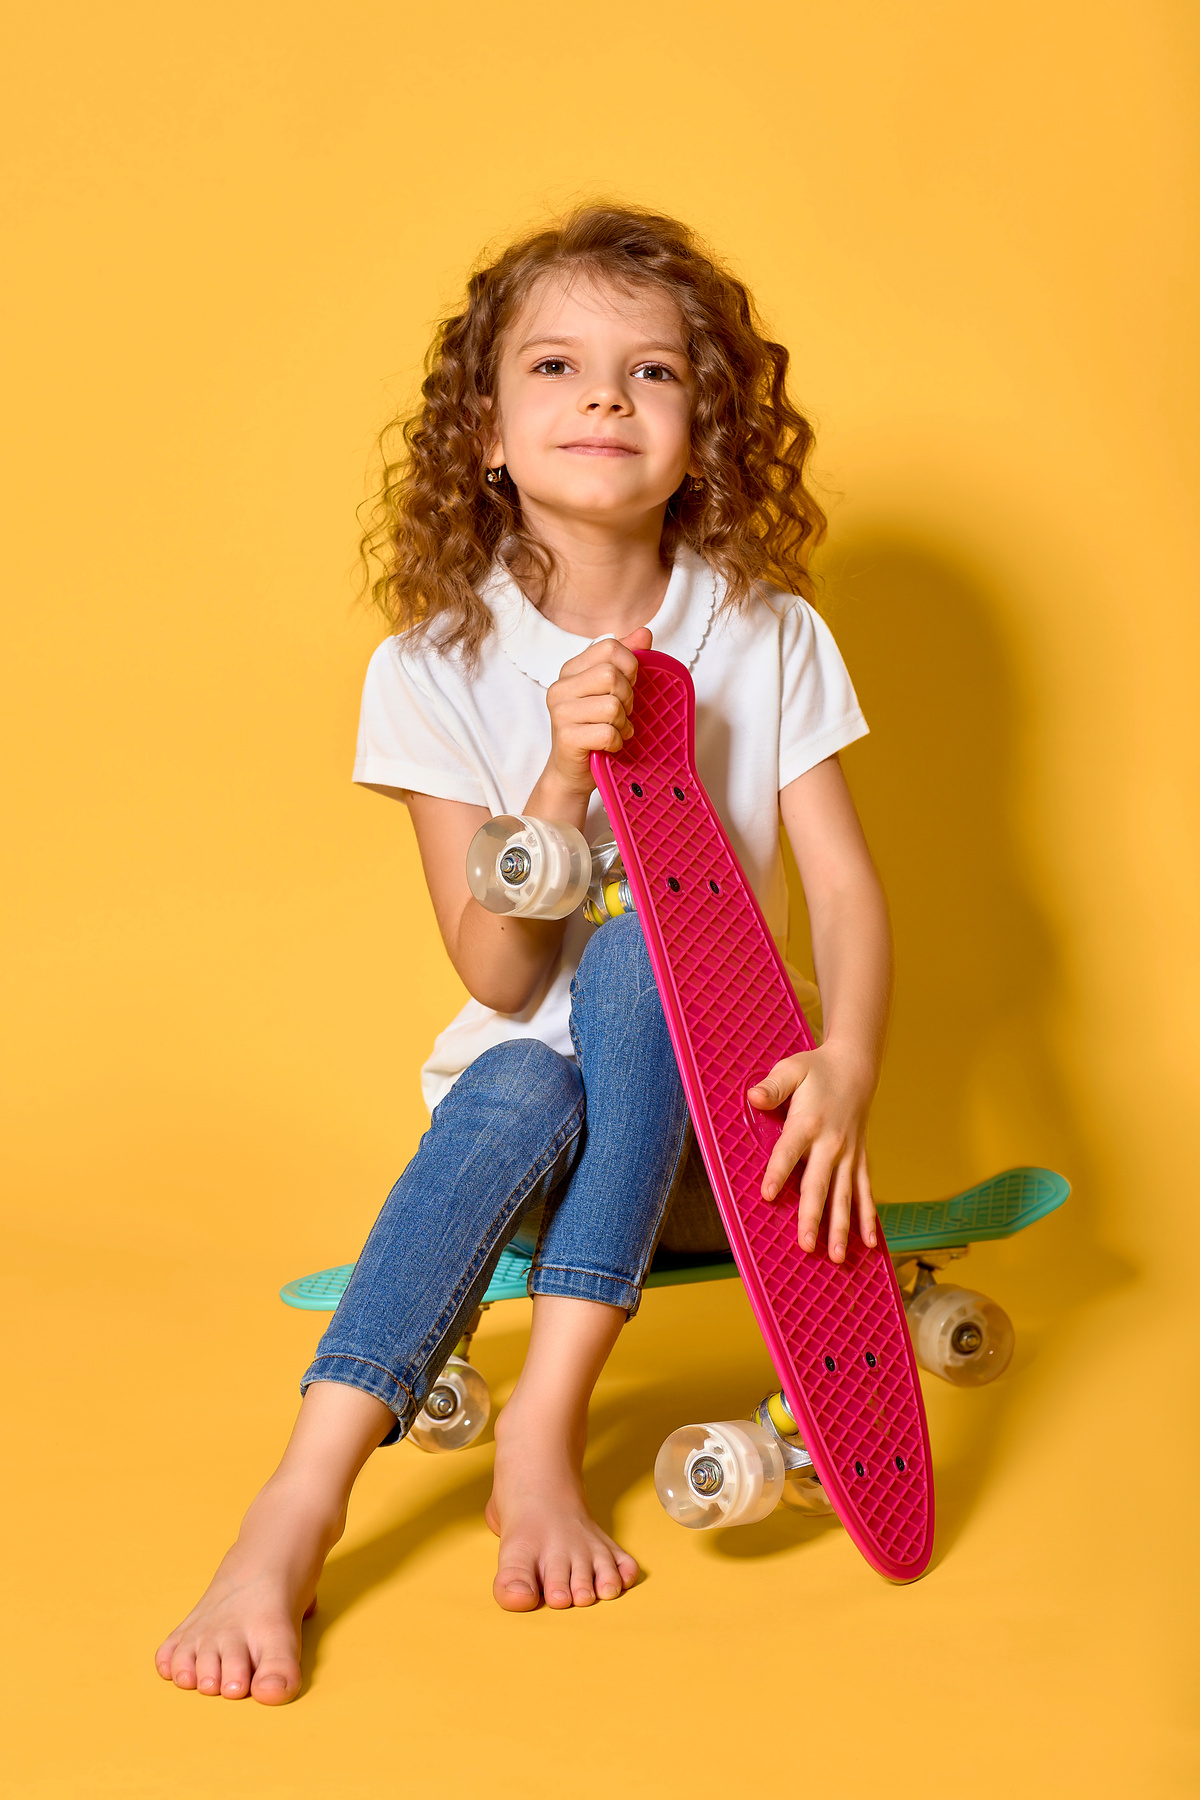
column 590, row 707
column 830, row 1092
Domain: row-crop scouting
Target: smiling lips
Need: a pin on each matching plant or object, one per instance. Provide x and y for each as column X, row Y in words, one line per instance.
column 600, row 447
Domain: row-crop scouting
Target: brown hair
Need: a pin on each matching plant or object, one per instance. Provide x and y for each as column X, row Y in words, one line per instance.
column 437, row 524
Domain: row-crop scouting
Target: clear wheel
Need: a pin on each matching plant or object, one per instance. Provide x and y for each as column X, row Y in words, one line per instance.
column 458, row 1408
column 729, row 1473
column 803, row 1492
column 529, row 867
column 962, row 1336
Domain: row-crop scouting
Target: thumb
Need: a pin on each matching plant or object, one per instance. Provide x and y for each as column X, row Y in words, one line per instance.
column 641, row 639
column 765, row 1094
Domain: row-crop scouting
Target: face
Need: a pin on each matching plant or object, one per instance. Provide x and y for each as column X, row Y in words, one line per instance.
column 594, row 402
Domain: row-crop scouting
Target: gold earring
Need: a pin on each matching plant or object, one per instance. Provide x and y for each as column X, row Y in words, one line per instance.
column 696, row 484
column 495, row 476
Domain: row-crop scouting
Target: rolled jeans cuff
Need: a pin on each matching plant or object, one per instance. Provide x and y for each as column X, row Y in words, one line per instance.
column 369, row 1378
column 586, row 1284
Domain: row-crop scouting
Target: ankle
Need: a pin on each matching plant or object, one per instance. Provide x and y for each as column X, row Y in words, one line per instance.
column 317, row 1508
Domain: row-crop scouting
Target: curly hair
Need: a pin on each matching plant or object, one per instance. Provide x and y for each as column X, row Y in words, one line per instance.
column 436, row 526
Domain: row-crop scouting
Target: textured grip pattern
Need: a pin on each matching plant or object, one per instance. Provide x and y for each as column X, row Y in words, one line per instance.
column 837, row 1334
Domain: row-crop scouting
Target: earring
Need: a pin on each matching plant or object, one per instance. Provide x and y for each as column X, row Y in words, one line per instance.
column 696, row 484
column 495, row 476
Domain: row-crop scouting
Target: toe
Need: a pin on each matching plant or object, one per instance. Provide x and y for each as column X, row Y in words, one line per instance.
column 556, row 1584
column 277, row 1678
column 627, row 1568
column 183, row 1667
column 163, row 1655
column 516, row 1584
column 235, row 1671
column 608, row 1580
column 208, row 1670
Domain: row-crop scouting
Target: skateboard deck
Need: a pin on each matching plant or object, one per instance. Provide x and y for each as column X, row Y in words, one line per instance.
column 836, row 1333
column 996, row 1208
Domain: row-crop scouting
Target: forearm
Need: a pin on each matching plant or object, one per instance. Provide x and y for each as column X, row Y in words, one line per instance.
column 506, row 962
column 852, row 960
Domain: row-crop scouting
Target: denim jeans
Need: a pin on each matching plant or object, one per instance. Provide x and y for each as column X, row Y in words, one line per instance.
column 583, row 1154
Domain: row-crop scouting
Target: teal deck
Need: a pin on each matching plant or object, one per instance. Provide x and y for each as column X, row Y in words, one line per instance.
column 995, row 1209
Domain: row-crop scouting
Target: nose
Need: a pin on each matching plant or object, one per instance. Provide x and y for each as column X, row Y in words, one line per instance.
column 605, row 400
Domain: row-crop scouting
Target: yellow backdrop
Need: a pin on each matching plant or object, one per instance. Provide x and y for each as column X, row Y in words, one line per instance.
column 232, row 228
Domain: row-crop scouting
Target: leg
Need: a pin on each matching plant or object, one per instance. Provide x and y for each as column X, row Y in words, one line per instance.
column 549, row 1542
column 595, row 1246
column 244, row 1636
column 502, row 1139
column 597, row 1240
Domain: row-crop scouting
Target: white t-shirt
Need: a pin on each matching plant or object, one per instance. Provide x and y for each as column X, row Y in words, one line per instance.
column 773, row 699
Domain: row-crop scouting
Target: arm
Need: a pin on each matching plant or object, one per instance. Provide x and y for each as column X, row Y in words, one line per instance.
column 831, row 1089
column 505, row 962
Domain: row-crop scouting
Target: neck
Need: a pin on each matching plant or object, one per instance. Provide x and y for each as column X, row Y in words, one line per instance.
column 606, row 580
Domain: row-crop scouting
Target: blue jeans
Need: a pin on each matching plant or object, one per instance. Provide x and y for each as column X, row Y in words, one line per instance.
column 587, row 1153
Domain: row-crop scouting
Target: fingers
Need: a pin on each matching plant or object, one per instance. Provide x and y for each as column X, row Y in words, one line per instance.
column 840, row 1199
column 592, row 701
column 864, row 1202
column 607, row 652
column 814, row 1186
column 837, row 1185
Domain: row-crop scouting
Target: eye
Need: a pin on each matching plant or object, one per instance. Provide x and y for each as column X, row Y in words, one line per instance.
column 655, row 372
column 552, row 365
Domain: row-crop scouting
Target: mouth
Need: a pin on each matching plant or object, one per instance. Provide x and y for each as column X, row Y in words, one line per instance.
column 596, row 446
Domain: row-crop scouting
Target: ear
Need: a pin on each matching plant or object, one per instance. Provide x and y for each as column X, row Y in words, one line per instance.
column 493, row 443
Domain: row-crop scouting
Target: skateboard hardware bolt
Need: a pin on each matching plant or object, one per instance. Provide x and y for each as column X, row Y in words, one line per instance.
column 442, row 1402
column 967, row 1339
column 858, row 1469
column 713, row 887
column 869, row 1359
column 900, row 1464
column 830, row 1364
column 706, row 1476
column 679, row 793
column 515, row 865
column 672, row 884
column 635, row 788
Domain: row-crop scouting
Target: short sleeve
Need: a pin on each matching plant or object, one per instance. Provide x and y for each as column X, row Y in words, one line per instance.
column 406, row 737
column 819, row 711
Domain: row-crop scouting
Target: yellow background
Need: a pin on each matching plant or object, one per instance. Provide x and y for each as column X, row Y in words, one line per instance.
column 232, row 228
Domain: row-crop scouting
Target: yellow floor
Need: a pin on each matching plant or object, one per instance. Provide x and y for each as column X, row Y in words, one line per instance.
column 1041, row 1656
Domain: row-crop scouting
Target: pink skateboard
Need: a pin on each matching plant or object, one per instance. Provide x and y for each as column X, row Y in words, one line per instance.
column 836, row 1333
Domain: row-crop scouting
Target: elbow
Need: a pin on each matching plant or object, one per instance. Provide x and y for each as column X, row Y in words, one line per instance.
column 503, row 996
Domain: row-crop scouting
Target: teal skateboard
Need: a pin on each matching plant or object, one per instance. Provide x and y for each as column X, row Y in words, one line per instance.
column 958, row 1334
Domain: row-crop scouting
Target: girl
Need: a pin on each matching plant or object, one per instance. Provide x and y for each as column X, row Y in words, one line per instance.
column 606, row 454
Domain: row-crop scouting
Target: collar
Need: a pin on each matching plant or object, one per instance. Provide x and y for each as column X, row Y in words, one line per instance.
column 539, row 648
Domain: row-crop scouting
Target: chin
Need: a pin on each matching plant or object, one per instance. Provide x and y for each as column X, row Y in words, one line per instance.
column 601, row 499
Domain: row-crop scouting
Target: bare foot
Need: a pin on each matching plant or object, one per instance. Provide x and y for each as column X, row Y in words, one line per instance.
column 244, row 1636
column 550, row 1545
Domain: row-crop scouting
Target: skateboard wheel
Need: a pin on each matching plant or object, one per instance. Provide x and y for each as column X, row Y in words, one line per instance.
column 802, row 1491
column 529, row 867
column 962, row 1336
column 729, row 1473
column 456, row 1411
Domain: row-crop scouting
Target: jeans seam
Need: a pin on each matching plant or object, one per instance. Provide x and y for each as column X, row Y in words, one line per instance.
column 562, row 1138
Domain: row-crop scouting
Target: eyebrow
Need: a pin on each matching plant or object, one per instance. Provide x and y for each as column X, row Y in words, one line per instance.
column 572, row 342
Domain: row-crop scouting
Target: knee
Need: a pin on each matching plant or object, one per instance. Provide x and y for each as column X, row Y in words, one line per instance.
column 615, row 960
column 614, row 987
column 521, row 1079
